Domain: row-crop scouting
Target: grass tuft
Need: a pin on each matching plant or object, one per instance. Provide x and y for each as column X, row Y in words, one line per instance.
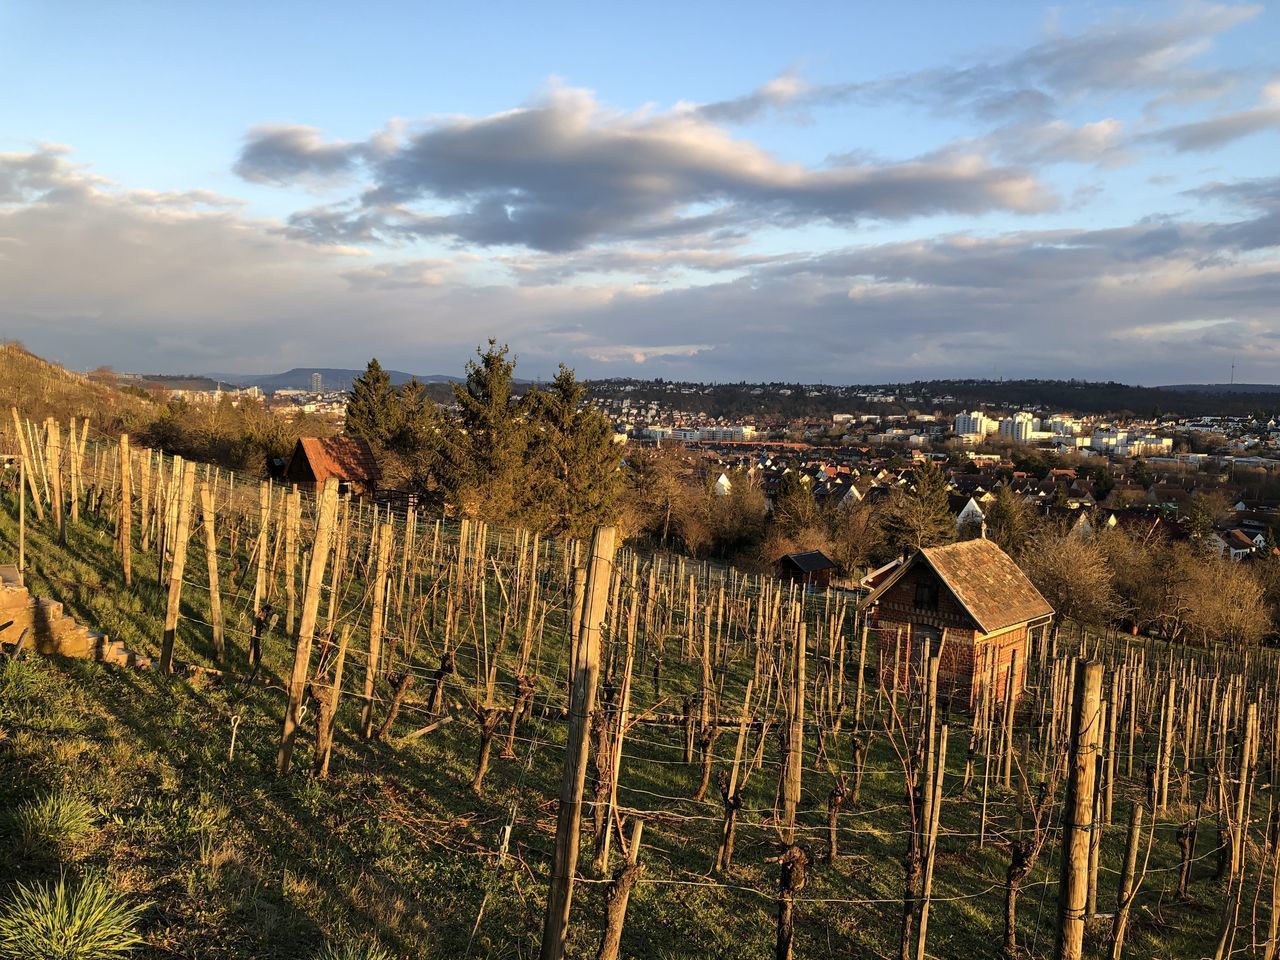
column 58, row 921
column 53, row 820
column 350, row 950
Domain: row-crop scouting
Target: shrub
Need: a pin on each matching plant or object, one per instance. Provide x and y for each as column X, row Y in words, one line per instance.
column 57, row 921
column 52, row 820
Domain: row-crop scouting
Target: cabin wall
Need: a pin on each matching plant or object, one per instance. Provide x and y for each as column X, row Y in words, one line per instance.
column 965, row 665
column 299, row 471
column 898, row 605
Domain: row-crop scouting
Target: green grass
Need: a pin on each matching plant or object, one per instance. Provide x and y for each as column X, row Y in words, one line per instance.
column 53, row 821
column 62, row 920
column 350, row 950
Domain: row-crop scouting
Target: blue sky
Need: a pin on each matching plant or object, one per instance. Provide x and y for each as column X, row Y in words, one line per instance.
column 821, row 192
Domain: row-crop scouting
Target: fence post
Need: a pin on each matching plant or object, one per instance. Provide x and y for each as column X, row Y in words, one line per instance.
column 375, row 626
column 215, row 596
column 307, row 624
column 795, row 738
column 586, row 672
column 1078, row 808
column 125, row 526
column 176, row 569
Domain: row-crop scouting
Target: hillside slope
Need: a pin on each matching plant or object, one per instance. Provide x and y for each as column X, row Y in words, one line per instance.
column 41, row 389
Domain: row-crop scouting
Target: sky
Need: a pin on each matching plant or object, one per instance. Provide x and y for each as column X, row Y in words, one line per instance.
column 812, row 192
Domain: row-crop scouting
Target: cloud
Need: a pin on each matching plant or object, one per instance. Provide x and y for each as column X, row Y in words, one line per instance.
column 96, row 273
column 1220, row 130
column 1118, row 55
column 43, row 174
column 1036, row 144
column 406, row 275
column 787, row 92
column 1260, row 196
column 1260, row 193
column 285, row 153
column 567, row 171
column 642, row 355
column 661, row 265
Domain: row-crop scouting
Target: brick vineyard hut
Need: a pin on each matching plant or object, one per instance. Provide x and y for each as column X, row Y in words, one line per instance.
column 810, row 568
column 349, row 459
column 991, row 614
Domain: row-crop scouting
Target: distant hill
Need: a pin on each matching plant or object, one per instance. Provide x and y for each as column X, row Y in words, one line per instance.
column 1087, row 397
column 794, row 400
column 1224, row 387
column 184, row 382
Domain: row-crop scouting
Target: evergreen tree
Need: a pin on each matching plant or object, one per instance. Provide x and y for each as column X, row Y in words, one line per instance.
column 1008, row 521
column 372, row 409
column 920, row 517
column 415, row 419
column 1141, row 473
column 481, row 459
column 794, row 507
column 573, row 463
column 1103, row 483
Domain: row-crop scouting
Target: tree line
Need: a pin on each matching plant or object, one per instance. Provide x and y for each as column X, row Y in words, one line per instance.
column 543, row 459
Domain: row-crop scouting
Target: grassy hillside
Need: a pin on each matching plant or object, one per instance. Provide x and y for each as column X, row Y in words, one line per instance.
column 41, row 389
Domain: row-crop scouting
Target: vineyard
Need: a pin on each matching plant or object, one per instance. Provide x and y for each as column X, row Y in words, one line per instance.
column 330, row 725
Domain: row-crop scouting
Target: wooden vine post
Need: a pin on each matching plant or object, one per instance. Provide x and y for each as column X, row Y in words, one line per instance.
column 264, row 523
column 375, row 626
column 125, row 526
column 1078, row 810
column 1128, row 884
column 176, row 568
column 22, row 515
column 306, row 627
column 931, row 838
column 586, row 672
column 53, row 460
column 211, row 551
column 795, row 739
column 27, row 452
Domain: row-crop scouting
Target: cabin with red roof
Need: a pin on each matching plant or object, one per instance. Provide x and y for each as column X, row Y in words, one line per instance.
column 350, row 460
column 969, row 601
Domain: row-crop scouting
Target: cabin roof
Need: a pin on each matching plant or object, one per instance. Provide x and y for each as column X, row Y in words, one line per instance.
column 345, row 458
column 808, row 561
column 990, row 587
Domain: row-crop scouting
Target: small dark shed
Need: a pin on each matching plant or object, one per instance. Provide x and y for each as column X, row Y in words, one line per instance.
column 812, row 568
column 348, row 459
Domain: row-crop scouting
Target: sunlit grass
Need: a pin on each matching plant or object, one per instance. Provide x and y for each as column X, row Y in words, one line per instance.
column 68, row 921
column 53, row 821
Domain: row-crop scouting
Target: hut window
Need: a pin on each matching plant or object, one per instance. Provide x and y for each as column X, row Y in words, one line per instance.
column 926, row 595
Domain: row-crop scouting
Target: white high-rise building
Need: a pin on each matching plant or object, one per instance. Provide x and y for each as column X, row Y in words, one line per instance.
column 317, row 383
column 1020, row 427
column 975, row 422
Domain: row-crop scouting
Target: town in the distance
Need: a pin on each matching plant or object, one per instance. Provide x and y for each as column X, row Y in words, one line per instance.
column 1070, row 448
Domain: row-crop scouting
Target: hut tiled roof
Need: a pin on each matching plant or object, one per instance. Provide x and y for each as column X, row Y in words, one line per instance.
column 984, row 579
column 809, row 561
column 346, row 458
